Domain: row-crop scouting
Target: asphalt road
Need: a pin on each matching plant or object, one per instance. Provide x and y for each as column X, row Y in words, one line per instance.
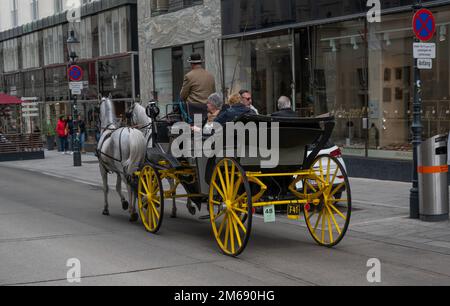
column 44, row 221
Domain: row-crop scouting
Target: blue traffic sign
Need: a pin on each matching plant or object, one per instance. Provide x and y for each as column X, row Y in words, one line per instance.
column 424, row 25
column 75, row 73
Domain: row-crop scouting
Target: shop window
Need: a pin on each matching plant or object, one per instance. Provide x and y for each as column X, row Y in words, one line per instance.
column 113, row 31
column 263, row 66
column 339, row 82
column 170, row 65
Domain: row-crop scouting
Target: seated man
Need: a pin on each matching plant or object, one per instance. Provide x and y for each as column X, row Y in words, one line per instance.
column 285, row 108
column 236, row 110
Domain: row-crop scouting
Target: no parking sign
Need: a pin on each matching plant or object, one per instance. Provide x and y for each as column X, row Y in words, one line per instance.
column 424, row 25
column 75, row 73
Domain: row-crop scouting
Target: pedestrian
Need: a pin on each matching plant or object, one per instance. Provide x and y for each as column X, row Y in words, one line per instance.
column 71, row 133
column 198, row 85
column 62, row 132
column 247, row 99
column 285, row 108
column 82, row 133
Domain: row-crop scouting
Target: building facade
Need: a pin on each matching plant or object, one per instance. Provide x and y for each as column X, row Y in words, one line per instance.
column 34, row 59
column 328, row 58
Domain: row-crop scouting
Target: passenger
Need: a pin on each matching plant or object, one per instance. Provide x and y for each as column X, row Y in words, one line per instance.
column 285, row 108
column 246, row 99
column 215, row 106
column 236, row 109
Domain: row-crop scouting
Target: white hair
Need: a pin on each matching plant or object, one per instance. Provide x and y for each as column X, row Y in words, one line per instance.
column 284, row 103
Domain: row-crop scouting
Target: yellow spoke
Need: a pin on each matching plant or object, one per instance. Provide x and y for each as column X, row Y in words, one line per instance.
column 336, row 190
column 318, row 220
column 227, row 179
column 323, row 226
column 227, row 233
column 334, row 220
column 338, row 212
column 231, row 226
column 225, row 190
column 239, row 221
column 241, row 197
column 311, row 186
column 310, row 215
column 240, row 210
column 238, row 235
column 330, row 229
column 328, row 170
column 144, row 185
column 236, row 188
column 149, row 217
column 218, row 190
column 157, row 202
column 233, row 172
column 156, row 212
column 335, row 175
column 338, row 200
column 154, row 220
column 219, row 233
column 216, row 202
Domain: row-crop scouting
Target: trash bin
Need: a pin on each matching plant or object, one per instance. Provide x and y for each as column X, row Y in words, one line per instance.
column 433, row 181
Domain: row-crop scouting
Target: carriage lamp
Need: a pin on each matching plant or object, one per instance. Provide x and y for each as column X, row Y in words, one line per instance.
column 72, row 44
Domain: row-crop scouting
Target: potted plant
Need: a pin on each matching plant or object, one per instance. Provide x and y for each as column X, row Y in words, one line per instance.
column 50, row 132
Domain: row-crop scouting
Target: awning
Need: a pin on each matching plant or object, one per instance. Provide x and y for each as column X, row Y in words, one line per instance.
column 9, row 100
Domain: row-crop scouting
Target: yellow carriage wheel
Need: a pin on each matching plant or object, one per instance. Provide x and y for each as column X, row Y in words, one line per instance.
column 230, row 207
column 151, row 199
column 328, row 220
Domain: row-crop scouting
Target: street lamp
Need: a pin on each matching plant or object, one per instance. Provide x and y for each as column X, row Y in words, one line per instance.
column 72, row 43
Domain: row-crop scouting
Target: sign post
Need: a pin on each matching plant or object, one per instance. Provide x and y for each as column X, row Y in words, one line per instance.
column 424, row 26
column 75, row 74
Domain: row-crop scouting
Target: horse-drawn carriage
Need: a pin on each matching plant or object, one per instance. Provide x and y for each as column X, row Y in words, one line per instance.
column 232, row 187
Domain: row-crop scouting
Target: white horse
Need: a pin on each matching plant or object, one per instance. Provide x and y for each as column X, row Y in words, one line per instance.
column 140, row 120
column 120, row 151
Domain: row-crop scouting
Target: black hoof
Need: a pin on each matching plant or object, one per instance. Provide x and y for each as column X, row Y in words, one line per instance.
column 106, row 212
column 134, row 218
column 125, row 205
column 173, row 216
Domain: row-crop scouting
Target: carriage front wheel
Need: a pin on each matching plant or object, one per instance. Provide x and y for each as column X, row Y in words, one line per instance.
column 151, row 199
column 328, row 220
column 230, row 206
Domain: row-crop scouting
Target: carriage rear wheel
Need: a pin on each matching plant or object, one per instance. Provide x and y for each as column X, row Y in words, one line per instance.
column 328, row 221
column 230, row 206
column 151, row 199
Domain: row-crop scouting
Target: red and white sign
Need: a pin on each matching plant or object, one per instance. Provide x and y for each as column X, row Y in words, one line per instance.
column 424, row 25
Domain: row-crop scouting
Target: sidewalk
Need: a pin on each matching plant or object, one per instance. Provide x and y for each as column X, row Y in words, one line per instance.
column 381, row 208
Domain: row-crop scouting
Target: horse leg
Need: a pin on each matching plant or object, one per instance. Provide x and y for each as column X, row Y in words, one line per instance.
column 104, row 175
column 174, row 200
column 125, row 203
column 134, row 217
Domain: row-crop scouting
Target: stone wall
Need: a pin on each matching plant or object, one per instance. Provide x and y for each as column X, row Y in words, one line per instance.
column 193, row 24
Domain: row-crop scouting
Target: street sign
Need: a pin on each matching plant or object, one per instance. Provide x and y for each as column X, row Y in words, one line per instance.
column 75, row 73
column 424, row 50
column 76, row 87
column 424, row 25
column 425, row 64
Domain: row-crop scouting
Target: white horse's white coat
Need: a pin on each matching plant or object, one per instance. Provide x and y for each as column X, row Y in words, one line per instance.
column 120, row 151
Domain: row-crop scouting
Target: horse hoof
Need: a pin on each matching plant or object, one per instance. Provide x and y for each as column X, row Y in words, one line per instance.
column 106, row 213
column 125, row 205
column 173, row 216
column 134, row 218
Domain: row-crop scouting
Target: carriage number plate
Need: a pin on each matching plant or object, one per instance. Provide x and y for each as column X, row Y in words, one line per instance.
column 294, row 211
column 269, row 214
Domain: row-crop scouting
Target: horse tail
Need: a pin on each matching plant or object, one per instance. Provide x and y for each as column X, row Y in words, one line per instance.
column 137, row 152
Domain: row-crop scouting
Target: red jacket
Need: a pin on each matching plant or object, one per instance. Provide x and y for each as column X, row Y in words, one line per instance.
column 61, row 128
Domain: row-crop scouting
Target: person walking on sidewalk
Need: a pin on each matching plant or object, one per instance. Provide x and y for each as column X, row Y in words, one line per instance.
column 82, row 133
column 62, row 132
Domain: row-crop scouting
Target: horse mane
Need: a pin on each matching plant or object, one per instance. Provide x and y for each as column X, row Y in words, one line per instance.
column 107, row 113
column 141, row 114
